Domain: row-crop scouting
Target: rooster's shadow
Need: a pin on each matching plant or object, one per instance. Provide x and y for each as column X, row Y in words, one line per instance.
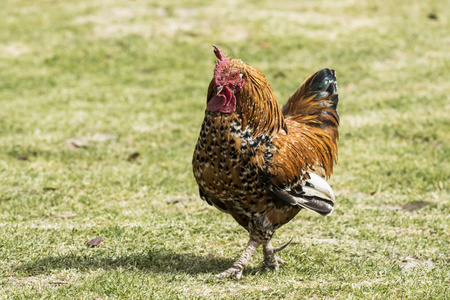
column 153, row 260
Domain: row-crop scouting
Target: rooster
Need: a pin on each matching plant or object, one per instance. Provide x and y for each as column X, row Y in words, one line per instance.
column 260, row 163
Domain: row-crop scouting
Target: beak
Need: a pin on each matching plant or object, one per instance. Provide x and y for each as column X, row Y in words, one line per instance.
column 219, row 89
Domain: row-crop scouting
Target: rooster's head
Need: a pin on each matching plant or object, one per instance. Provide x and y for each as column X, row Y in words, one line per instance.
column 228, row 82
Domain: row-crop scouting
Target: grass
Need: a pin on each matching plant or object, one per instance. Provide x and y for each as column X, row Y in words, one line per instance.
column 101, row 103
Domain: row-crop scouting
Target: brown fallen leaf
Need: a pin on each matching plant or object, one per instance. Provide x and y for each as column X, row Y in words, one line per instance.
column 49, row 188
column 133, row 156
column 70, row 215
column 432, row 16
column 147, row 70
column 279, row 75
column 23, row 158
column 95, row 242
column 181, row 199
column 75, row 144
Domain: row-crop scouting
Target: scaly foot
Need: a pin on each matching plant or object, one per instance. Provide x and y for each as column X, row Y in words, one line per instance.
column 233, row 272
column 270, row 260
column 273, row 264
column 236, row 269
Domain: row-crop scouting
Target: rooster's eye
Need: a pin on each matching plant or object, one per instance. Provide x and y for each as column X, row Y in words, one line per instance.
column 233, row 76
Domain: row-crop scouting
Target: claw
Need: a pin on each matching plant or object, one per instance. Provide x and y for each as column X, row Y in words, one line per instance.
column 280, row 261
column 232, row 272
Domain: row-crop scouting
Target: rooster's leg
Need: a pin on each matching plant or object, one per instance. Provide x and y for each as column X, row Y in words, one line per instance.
column 270, row 260
column 239, row 265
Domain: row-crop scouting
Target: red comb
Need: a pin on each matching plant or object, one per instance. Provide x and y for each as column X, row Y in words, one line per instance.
column 219, row 54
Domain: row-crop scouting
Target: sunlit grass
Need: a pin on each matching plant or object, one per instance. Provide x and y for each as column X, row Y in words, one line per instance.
column 100, row 107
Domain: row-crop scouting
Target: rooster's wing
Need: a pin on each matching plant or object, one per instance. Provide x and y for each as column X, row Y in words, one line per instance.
column 304, row 155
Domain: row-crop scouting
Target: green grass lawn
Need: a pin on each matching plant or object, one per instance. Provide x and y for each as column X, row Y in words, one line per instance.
column 101, row 103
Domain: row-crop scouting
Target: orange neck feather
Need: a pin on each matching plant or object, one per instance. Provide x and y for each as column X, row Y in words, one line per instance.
column 257, row 103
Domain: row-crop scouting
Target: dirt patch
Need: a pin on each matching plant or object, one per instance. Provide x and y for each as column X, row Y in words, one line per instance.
column 416, row 205
column 409, row 263
column 14, row 50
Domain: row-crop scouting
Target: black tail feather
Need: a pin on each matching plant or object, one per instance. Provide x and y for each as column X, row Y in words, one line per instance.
column 325, row 81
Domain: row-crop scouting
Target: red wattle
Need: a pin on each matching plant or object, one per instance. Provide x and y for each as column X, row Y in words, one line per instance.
column 225, row 102
column 216, row 103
